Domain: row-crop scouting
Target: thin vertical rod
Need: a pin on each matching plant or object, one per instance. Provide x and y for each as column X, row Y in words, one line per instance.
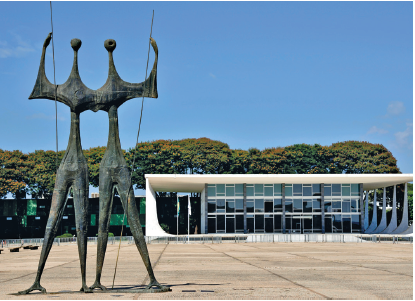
column 54, row 82
column 144, row 91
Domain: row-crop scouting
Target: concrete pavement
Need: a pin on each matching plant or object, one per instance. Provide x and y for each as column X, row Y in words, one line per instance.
column 223, row 271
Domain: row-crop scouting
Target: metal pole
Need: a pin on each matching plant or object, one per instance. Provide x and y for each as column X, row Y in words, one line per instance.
column 188, row 218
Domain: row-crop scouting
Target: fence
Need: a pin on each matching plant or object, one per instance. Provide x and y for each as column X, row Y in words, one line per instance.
column 253, row 238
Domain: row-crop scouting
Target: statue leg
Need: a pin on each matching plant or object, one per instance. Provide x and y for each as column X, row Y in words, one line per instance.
column 60, row 194
column 105, row 206
column 80, row 196
column 126, row 193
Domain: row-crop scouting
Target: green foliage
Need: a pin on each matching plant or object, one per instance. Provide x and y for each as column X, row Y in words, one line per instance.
column 66, row 235
column 110, row 234
column 165, row 227
column 411, row 201
column 35, row 172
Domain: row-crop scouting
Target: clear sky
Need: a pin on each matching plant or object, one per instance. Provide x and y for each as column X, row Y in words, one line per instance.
column 248, row 74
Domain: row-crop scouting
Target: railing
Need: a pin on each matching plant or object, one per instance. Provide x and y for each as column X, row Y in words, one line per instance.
column 239, row 238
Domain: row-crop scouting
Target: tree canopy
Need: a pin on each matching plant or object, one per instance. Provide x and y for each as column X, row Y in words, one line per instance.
column 35, row 172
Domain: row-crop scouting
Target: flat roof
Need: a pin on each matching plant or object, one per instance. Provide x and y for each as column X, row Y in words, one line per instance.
column 196, row 183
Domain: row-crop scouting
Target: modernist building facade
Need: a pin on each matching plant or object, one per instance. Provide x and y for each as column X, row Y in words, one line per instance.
column 312, row 203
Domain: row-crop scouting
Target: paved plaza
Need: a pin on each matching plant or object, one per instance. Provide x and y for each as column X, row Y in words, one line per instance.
column 223, row 271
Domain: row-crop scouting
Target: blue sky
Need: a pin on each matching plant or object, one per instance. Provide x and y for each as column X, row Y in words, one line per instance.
column 249, row 74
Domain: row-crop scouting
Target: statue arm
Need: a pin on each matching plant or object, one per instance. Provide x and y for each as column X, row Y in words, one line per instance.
column 43, row 88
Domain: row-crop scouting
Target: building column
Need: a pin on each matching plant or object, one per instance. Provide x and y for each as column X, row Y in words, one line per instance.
column 362, row 227
column 323, row 214
column 374, row 223
column 394, row 220
column 283, row 207
column 382, row 224
column 245, row 226
column 203, row 211
column 366, row 220
column 206, row 208
column 403, row 226
column 152, row 223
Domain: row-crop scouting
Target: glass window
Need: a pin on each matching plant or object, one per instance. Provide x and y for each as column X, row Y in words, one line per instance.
column 288, row 190
column 259, row 223
column 212, row 224
column 220, row 226
column 336, row 206
column 347, row 227
column 277, row 189
column 316, row 205
column 296, row 224
column 220, row 203
column 211, row 206
column 230, row 206
column 327, row 224
column 277, row 222
column 288, row 205
column 288, row 224
column 230, row 224
column 307, row 190
column 356, row 222
column 230, row 190
column 250, row 206
column 355, row 189
column 269, row 224
column 345, row 190
column 220, row 189
column 250, row 190
column 354, row 205
column 297, row 189
column 239, row 222
column 316, row 223
column 269, row 206
column 327, row 190
column 268, row 190
column 337, row 223
column 316, row 189
column 239, row 189
column 259, row 189
column 277, row 205
column 307, row 205
column 259, row 205
column 308, row 222
column 250, row 228
column 345, row 206
column 327, row 206
column 239, row 205
column 298, row 205
column 335, row 189
column 211, row 190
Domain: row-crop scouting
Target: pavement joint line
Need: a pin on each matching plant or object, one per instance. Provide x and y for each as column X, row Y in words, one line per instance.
column 282, row 277
column 135, row 297
column 353, row 265
column 90, row 256
column 340, row 262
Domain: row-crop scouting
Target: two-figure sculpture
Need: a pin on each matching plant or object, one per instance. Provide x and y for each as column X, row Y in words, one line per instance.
column 73, row 170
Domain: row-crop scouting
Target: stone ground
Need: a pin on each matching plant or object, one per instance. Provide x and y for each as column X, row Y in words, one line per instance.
column 224, row 271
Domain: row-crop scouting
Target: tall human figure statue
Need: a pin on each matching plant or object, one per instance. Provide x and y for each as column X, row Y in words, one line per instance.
column 114, row 171
column 73, row 170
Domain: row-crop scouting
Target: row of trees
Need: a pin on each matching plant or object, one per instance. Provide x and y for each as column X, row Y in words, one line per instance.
column 34, row 173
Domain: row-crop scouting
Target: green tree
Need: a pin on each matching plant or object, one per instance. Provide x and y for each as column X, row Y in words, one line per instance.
column 363, row 157
column 240, row 162
column 157, row 157
column 42, row 173
column 205, row 156
column 13, row 173
column 94, row 157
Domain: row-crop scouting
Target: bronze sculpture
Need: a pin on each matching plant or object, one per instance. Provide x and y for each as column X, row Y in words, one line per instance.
column 73, row 170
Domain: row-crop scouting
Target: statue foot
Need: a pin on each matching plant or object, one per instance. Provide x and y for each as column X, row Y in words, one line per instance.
column 85, row 289
column 158, row 286
column 98, row 285
column 35, row 287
